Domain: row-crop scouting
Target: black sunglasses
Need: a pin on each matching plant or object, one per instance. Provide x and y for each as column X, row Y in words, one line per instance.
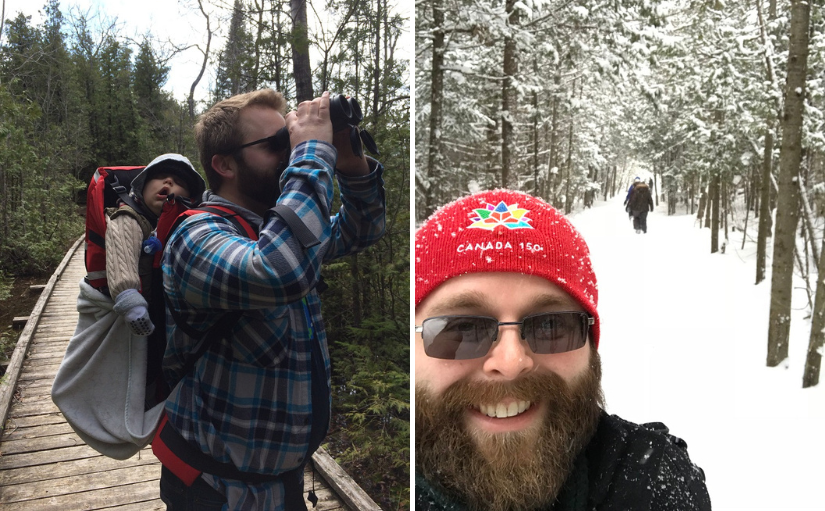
column 275, row 143
column 467, row 337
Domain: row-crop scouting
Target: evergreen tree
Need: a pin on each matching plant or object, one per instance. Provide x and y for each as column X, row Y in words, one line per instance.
column 234, row 61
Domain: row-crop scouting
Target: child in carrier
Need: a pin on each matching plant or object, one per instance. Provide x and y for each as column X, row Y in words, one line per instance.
column 127, row 229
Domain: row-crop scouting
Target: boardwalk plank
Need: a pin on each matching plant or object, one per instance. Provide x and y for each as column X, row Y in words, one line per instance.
column 40, row 372
column 103, row 498
column 40, row 444
column 35, row 405
column 34, row 420
column 72, row 484
column 71, row 468
column 40, row 430
column 36, row 388
column 31, row 459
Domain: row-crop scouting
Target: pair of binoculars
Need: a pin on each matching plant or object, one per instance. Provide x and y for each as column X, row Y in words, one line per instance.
column 343, row 112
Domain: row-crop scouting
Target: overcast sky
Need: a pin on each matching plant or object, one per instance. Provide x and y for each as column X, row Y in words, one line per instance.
column 167, row 20
column 177, row 21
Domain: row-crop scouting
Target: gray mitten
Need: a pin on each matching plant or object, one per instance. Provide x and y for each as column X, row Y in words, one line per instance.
column 133, row 307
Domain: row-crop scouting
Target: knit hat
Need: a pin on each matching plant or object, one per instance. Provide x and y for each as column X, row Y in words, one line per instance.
column 505, row 231
column 176, row 164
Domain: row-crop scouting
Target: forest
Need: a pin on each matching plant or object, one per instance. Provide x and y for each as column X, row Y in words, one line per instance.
column 76, row 94
column 720, row 101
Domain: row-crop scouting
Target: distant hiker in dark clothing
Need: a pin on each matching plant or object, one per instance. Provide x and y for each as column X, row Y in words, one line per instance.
column 509, row 411
column 639, row 204
column 636, row 181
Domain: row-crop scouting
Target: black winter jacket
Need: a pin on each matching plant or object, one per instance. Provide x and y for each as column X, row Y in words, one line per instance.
column 625, row 467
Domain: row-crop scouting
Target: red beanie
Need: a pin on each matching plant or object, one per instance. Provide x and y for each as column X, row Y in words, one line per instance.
column 505, row 231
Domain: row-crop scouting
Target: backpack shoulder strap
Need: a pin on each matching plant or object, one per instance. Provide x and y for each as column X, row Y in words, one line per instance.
column 222, row 211
column 224, row 325
column 120, row 183
column 296, row 225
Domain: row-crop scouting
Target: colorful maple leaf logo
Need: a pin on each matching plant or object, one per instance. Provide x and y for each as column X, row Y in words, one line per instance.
column 511, row 217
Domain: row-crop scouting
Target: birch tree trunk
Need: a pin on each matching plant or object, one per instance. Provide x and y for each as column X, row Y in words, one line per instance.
column 787, row 208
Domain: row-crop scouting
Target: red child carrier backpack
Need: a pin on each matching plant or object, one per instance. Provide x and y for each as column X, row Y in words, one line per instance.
column 107, row 186
column 110, row 186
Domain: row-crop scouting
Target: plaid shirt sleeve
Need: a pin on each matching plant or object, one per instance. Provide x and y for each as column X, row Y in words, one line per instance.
column 360, row 221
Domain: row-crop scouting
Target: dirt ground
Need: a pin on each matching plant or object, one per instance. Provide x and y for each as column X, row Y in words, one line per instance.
column 20, row 303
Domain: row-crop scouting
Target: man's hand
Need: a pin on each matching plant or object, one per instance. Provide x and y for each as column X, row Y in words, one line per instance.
column 310, row 121
column 348, row 163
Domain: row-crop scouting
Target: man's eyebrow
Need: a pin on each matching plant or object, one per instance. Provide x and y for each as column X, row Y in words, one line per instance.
column 475, row 300
column 563, row 300
column 466, row 300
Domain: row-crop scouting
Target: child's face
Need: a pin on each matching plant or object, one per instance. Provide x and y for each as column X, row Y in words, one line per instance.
column 159, row 187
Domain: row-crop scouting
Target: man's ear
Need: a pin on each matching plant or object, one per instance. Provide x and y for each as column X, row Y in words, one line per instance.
column 224, row 165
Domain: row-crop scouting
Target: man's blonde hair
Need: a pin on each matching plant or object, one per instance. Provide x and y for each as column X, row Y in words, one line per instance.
column 217, row 130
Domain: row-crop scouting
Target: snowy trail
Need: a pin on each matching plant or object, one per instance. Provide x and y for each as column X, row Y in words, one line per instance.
column 684, row 336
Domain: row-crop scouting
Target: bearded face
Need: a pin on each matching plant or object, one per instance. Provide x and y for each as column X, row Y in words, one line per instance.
column 262, row 185
column 511, row 470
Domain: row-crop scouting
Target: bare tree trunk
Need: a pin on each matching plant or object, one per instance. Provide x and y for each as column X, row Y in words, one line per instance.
column 656, row 187
column 703, row 200
column 2, row 20
column 808, row 218
column 535, row 136
column 787, row 211
column 767, row 162
column 568, row 206
column 279, row 73
column 813, row 361
column 256, row 72
column 300, row 51
column 726, row 207
column 764, row 208
column 709, row 205
column 613, row 185
column 508, row 104
column 190, row 101
column 436, row 106
column 714, row 215
column 551, row 161
column 376, row 75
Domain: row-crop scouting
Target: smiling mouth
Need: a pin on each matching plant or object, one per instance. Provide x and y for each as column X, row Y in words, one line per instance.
column 504, row 411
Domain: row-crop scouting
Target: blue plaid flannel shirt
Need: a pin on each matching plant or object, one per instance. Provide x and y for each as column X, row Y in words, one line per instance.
column 249, row 403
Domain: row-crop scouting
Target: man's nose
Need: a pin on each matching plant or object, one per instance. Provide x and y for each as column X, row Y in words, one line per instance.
column 510, row 355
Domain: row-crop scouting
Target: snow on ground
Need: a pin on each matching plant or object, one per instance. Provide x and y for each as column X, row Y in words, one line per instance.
column 684, row 342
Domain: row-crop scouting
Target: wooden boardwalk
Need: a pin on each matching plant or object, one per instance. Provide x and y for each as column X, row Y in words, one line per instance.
column 45, row 466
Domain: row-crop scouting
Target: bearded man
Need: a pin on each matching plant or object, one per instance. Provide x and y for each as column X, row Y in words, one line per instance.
column 243, row 421
column 509, row 412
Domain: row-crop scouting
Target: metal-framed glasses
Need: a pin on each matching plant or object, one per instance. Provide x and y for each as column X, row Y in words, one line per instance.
column 467, row 337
